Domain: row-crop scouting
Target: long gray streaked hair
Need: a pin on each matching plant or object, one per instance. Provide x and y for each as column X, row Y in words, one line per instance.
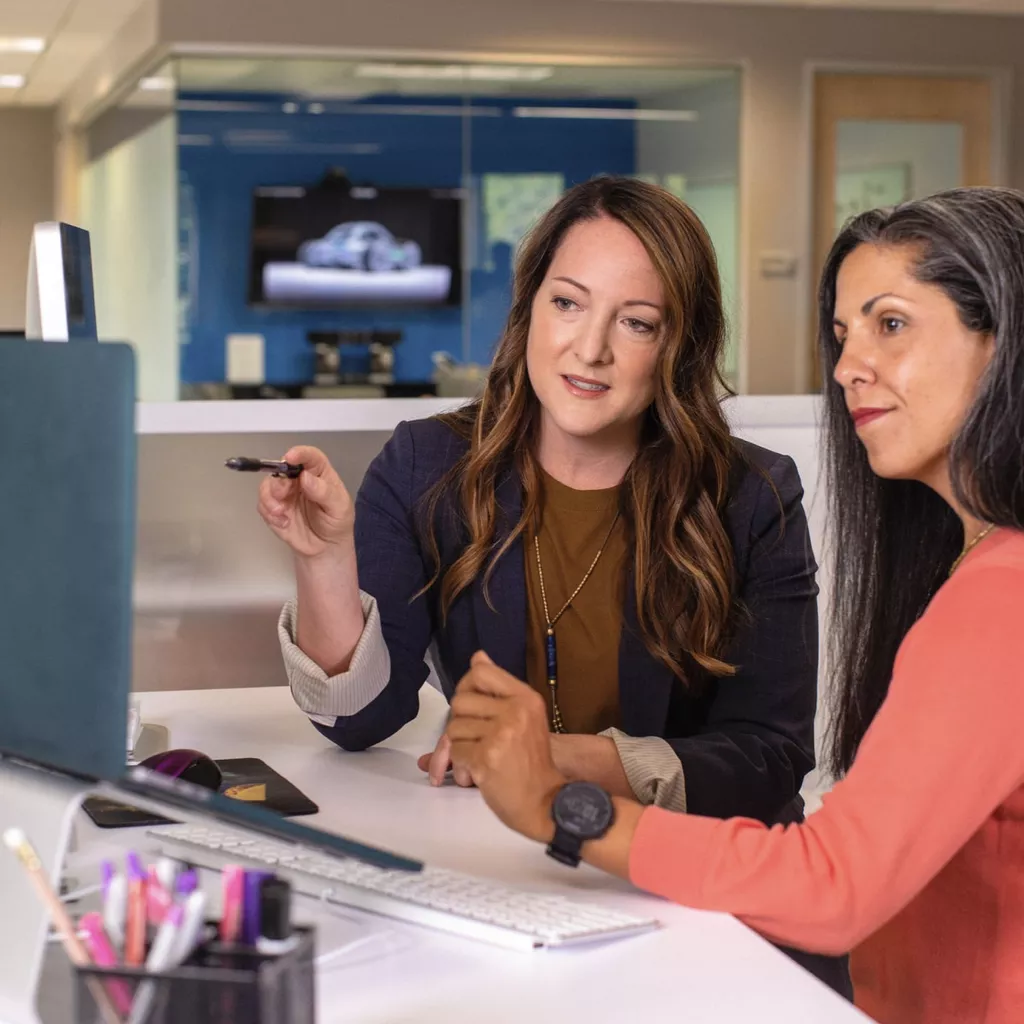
column 894, row 541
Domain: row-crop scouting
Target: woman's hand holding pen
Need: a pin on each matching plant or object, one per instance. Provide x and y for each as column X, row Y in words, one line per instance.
column 313, row 513
column 315, row 516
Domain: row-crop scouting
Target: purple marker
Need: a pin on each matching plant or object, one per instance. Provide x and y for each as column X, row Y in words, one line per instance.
column 251, row 905
column 186, row 883
column 106, row 877
column 135, row 868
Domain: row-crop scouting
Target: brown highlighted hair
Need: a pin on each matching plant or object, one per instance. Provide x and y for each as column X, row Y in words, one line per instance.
column 676, row 487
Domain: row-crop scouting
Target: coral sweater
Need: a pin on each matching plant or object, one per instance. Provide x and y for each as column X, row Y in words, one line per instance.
column 916, row 859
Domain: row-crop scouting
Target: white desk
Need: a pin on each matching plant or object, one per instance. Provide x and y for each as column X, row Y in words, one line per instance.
column 699, row 968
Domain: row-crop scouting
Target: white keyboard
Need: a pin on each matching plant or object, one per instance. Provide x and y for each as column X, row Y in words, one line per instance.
column 446, row 900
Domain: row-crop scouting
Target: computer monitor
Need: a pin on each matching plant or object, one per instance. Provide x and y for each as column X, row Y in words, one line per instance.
column 60, row 304
column 67, row 533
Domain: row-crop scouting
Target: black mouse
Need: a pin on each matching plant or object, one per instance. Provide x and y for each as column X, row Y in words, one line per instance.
column 189, row 765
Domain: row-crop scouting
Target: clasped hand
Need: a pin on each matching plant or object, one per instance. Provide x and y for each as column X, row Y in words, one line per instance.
column 497, row 739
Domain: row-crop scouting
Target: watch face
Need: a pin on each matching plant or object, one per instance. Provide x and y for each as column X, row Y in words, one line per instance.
column 583, row 810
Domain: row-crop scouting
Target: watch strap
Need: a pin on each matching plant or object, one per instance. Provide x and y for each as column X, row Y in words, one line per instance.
column 565, row 847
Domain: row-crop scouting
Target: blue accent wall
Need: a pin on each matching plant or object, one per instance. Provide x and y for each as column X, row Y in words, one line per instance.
column 230, row 145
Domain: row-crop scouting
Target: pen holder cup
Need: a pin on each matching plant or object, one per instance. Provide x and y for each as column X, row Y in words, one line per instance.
column 218, row 984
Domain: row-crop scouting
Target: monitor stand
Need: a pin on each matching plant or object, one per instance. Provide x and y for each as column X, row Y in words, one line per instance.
column 42, row 804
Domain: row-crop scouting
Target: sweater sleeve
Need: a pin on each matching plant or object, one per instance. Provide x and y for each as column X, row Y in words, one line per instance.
column 327, row 699
column 943, row 753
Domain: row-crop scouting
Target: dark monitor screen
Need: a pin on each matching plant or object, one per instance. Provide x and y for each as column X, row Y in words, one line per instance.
column 79, row 297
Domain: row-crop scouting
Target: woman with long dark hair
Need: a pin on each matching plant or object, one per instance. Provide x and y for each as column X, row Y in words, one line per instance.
column 590, row 523
column 916, row 859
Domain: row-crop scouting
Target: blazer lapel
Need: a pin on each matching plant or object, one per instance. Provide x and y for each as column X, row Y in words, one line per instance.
column 501, row 631
column 645, row 685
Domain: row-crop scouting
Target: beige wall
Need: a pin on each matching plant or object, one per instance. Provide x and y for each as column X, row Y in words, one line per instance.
column 26, row 196
column 775, row 45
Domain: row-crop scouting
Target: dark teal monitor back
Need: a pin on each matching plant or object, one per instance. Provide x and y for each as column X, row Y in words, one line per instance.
column 67, row 534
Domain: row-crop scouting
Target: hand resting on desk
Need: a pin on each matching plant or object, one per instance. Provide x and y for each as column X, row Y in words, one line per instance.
column 439, row 762
column 577, row 757
column 499, row 734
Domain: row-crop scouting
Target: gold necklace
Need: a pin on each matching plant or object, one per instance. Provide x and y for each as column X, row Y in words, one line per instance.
column 969, row 547
column 557, row 725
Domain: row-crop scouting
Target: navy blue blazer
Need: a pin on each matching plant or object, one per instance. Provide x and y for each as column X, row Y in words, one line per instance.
column 745, row 741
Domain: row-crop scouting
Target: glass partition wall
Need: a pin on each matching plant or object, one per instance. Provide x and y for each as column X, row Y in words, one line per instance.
column 128, row 200
column 345, row 227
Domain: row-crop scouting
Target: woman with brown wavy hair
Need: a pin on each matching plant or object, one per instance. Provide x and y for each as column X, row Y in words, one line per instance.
column 590, row 523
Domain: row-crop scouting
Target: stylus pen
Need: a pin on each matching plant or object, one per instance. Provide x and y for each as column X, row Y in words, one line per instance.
column 277, row 467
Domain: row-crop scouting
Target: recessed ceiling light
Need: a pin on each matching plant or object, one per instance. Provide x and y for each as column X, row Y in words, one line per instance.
column 315, row 108
column 19, row 44
column 290, row 108
column 607, row 113
column 457, row 72
column 11, row 81
column 156, row 83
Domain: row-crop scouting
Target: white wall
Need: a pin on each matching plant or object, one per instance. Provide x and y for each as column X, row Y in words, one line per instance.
column 26, row 196
column 129, row 205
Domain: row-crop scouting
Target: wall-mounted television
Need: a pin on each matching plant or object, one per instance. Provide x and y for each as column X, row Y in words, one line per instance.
column 337, row 244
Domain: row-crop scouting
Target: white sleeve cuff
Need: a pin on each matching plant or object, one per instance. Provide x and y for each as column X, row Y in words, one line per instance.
column 653, row 770
column 326, row 699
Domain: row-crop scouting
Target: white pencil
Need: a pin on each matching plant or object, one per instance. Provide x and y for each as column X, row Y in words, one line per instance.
column 16, row 840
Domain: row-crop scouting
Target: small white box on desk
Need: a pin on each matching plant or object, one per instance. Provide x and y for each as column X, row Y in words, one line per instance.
column 246, row 362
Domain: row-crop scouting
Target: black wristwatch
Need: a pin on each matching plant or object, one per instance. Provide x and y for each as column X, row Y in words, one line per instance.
column 581, row 811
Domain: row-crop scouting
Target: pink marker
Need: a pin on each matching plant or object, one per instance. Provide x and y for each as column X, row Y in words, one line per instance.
column 158, row 898
column 233, row 894
column 102, row 953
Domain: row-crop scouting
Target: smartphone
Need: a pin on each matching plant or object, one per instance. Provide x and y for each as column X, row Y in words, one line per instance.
column 276, row 467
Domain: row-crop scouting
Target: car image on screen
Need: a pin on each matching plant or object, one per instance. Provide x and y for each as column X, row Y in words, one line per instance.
column 360, row 245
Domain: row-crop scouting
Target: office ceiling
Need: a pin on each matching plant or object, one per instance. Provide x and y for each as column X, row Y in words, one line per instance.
column 74, row 32
column 942, row 6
